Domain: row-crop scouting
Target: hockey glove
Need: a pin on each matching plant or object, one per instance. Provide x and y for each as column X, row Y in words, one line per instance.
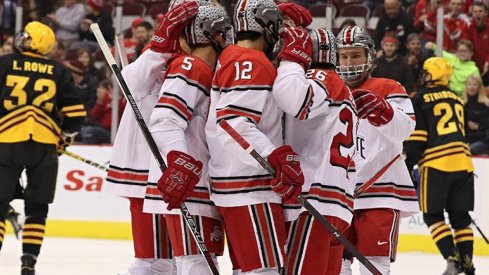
column 289, row 178
column 298, row 46
column 372, row 107
column 65, row 140
column 179, row 179
column 165, row 38
column 300, row 16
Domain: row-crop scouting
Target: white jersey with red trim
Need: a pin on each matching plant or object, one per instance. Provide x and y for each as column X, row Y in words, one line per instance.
column 241, row 95
column 321, row 126
column 177, row 123
column 129, row 163
column 376, row 146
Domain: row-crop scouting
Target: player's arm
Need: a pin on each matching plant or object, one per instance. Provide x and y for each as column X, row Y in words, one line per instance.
column 69, row 103
column 392, row 114
column 416, row 143
column 403, row 121
column 147, row 70
column 184, row 88
column 292, row 91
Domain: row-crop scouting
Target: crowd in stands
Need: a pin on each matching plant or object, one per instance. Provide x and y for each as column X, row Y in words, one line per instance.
column 404, row 34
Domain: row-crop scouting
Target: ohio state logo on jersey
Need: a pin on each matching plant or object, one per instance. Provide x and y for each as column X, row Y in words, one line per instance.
column 216, row 234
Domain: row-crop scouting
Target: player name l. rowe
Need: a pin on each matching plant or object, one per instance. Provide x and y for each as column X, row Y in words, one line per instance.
column 33, row 67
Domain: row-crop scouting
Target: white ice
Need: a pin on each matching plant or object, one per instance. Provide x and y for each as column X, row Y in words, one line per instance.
column 62, row 256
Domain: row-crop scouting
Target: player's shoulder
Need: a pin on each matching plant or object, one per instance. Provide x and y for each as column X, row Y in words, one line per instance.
column 233, row 54
column 385, row 87
column 190, row 68
column 331, row 82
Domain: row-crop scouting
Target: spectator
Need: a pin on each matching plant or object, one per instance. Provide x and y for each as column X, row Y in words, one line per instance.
column 92, row 73
column 415, row 57
column 8, row 45
column 144, row 32
column 66, row 21
column 461, row 62
column 453, row 23
column 477, row 32
column 58, row 53
column 392, row 65
column 97, row 130
column 132, row 41
column 476, row 115
column 394, row 22
column 95, row 14
column 82, row 83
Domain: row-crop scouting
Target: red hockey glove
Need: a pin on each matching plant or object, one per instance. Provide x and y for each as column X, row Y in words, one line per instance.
column 179, row 179
column 165, row 38
column 372, row 107
column 301, row 16
column 297, row 46
column 289, row 178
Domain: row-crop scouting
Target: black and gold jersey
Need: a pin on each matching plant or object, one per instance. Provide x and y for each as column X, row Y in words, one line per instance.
column 38, row 100
column 438, row 140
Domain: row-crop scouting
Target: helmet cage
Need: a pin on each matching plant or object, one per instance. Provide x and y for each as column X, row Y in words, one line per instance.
column 355, row 37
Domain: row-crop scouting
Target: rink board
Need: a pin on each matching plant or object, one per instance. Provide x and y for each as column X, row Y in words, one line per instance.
column 81, row 210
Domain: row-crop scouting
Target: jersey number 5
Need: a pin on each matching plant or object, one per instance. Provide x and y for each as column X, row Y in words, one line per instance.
column 342, row 140
column 46, row 88
column 446, row 125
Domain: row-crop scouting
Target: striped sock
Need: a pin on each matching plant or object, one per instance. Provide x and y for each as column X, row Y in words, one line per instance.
column 2, row 232
column 464, row 240
column 33, row 235
column 442, row 235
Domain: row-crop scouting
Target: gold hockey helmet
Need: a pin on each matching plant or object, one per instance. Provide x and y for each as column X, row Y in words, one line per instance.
column 41, row 36
column 439, row 69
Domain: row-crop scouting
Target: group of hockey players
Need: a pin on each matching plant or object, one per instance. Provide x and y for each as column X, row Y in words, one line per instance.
column 276, row 86
column 304, row 100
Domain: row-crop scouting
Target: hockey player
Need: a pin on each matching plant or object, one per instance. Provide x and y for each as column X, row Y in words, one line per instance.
column 39, row 110
column 446, row 172
column 177, row 125
column 386, row 120
column 242, row 190
column 321, row 124
column 129, row 164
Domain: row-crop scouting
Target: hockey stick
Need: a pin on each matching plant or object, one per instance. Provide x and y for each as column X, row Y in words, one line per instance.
column 121, row 50
column 267, row 166
column 377, row 175
column 480, row 231
column 82, row 159
column 151, row 142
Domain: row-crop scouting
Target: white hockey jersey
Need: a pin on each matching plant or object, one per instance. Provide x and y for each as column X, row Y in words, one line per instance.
column 241, row 94
column 321, row 126
column 129, row 163
column 376, row 146
column 177, row 123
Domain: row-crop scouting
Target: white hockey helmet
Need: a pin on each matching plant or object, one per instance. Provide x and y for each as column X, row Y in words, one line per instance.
column 173, row 3
column 209, row 21
column 324, row 48
column 352, row 37
column 258, row 16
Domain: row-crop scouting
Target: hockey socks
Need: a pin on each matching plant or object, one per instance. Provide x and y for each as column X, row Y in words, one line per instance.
column 2, row 232
column 33, row 235
column 464, row 240
column 442, row 235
